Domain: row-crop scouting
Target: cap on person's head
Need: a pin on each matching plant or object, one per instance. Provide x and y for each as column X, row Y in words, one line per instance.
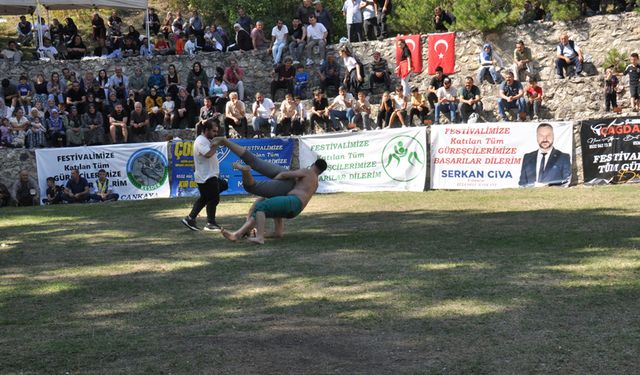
column 447, row 80
column 237, row 26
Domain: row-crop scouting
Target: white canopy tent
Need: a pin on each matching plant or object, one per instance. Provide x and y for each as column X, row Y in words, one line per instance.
column 16, row 7
column 73, row 4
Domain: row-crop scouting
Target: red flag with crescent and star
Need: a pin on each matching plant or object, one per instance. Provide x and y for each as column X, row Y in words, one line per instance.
column 442, row 52
column 415, row 46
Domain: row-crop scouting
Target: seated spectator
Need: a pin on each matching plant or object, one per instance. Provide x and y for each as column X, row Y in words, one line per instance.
column 76, row 96
column 447, row 101
column 258, row 40
column 54, row 192
column 114, row 19
column 384, row 111
column 298, row 36
column 74, row 129
column 76, row 49
column 11, row 53
column 93, row 125
column 103, row 190
column 362, row 110
column 399, row 107
column 178, row 23
column 153, row 104
column 157, row 81
column 279, row 36
column 379, row 72
column 130, row 48
column 217, row 37
column 25, row 31
column 47, row 51
column 5, row 132
column 264, row 112
column 196, row 73
column 56, row 31
column 19, row 124
column 419, row 106
column 316, row 36
column 341, row 108
column 139, row 123
column 522, row 62
column 287, row 114
column 172, row 80
column 489, row 61
column 36, row 133
column 233, row 76
column 137, row 84
column 329, row 73
column 25, row 191
column 180, row 43
column 567, row 54
column 235, row 116
column 436, row 82
column 168, row 108
column 441, row 19
column 207, row 111
column 318, row 113
column 56, row 129
column 219, row 93
column 199, row 92
column 191, row 47
column 283, row 77
column 534, row 99
column 470, row 100
column 301, row 81
column 185, row 110
column 118, row 119
column 165, row 28
column 146, row 49
column 300, row 118
column 9, row 93
column 511, row 96
column 69, row 30
column 25, row 93
column 77, row 189
column 133, row 34
column 162, row 46
column 243, row 41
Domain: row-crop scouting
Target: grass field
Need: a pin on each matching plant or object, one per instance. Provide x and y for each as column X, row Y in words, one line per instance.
column 484, row 282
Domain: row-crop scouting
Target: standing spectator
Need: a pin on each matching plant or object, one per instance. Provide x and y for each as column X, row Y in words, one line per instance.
column 12, row 53
column 324, row 17
column 633, row 71
column 522, row 62
column 384, row 9
column 233, row 76
column 447, row 99
column 353, row 77
column 235, row 116
column 185, row 110
column 610, row 94
column 511, row 96
column 567, row 54
column 298, row 36
column 351, row 10
column 304, row 11
column 243, row 40
column 404, row 68
column 341, row 108
column 488, row 63
column 362, row 109
column 69, row 31
column 319, row 113
column 25, row 31
column 98, row 27
column 154, row 22
column 470, row 100
column 283, row 77
column 25, row 190
column 419, row 107
column 370, row 17
column 399, row 107
column 329, row 73
column 77, row 189
column 139, row 123
column 118, row 119
column 264, row 112
column 316, row 36
column 244, row 20
column 441, row 19
column 279, row 36
column 258, row 40
column 379, row 72
column 534, row 99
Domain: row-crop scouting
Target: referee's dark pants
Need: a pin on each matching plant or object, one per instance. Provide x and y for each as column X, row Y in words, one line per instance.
column 209, row 197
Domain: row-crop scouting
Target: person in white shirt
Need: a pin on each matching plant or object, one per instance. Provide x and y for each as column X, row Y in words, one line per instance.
column 399, row 107
column 191, row 46
column 279, row 35
column 46, row 50
column 206, row 175
column 447, row 101
column 341, row 108
column 316, row 36
column 352, row 11
column 264, row 113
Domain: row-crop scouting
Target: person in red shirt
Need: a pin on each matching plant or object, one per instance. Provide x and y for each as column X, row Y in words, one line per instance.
column 534, row 99
column 180, row 42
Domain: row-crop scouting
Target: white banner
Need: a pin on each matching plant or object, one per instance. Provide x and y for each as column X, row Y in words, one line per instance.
column 500, row 155
column 136, row 171
column 379, row 160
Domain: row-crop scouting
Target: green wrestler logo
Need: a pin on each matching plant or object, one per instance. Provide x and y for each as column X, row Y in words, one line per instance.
column 403, row 158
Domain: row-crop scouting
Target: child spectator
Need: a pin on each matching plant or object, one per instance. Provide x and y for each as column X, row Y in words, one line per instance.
column 191, row 47
column 199, row 92
column 633, row 70
column 610, row 94
column 534, row 99
column 168, row 107
column 24, row 93
column 35, row 135
column 180, row 45
column 362, row 108
column 5, row 133
column 301, row 81
column 385, row 110
column 299, row 120
column 54, row 192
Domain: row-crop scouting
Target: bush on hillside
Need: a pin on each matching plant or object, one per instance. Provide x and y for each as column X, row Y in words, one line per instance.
column 617, row 59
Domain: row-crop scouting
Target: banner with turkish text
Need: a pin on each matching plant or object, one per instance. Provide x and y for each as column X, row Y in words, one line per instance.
column 275, row 150
column 611, row 150
column 379, row 160
column 415, row 46
column 442, row 52
column 501, row 155
column 136, row 171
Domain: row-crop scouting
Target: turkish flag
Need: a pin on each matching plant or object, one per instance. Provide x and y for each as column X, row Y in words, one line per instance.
column 415, row 46
column 442, row 52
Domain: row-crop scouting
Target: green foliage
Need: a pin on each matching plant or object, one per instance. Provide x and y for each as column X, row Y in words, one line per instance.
column 617, row 59
column 411, row 16
column 486, row 15
column 563, row 10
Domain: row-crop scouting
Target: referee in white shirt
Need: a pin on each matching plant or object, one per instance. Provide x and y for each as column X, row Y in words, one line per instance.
column 207, row 171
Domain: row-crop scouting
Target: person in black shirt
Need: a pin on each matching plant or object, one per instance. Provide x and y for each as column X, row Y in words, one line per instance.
column 283, row 76
column 77, row 189
column 318, row 111
column 118, row 119
column 440, row 18
column 470, row 100
column 436, row 83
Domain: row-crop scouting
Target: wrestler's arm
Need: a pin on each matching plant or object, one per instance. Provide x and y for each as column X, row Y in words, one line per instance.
column 291, row 174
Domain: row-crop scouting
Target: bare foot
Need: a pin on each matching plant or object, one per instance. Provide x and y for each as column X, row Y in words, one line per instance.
column 241, row 167
column 256, row 240
column 228, row 235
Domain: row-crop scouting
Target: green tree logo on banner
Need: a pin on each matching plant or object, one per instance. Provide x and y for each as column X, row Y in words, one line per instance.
column 147, row 169
column 403, row 158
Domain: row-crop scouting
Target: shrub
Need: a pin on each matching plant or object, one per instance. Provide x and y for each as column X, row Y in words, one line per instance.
column 617, row 59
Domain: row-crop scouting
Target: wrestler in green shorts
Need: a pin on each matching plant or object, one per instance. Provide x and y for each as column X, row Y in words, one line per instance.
column 287, row 206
